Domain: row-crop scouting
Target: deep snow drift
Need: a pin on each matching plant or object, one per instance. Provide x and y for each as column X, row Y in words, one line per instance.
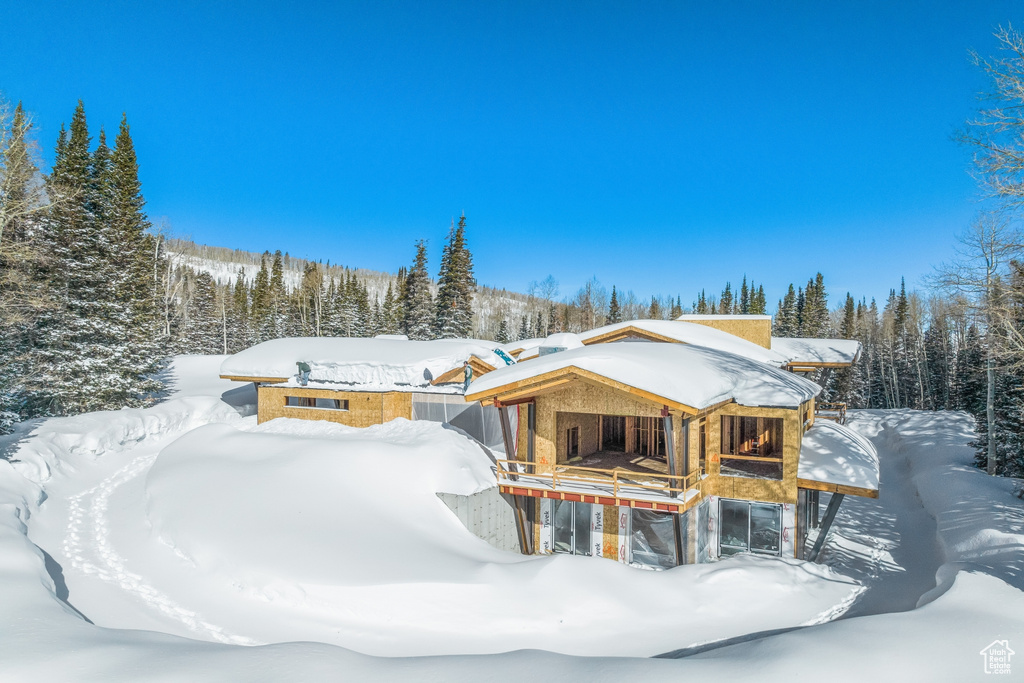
column 238, row 535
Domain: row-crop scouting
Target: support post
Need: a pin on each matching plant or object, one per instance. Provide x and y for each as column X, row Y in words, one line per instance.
column 812, row 510
column 523, row 528
column 826, row 524
column 802, row 521
column 670, row 455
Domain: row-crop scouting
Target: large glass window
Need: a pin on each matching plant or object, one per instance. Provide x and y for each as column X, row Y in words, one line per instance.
column 653, row 538
column 321, row 403
column 571, row 532
column 749, row 527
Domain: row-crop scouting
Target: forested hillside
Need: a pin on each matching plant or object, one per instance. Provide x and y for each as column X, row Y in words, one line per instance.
column 93, row 300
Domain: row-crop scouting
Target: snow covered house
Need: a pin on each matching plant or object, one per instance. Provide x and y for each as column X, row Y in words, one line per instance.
column 658, row 454
column 363, row 382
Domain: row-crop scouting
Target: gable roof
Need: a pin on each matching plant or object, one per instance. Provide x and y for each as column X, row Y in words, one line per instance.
column 681, row 332
column 682, row 376
column 385, row 364
column 817, row 353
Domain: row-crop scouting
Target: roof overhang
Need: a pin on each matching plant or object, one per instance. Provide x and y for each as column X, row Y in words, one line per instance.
column 626, row 333
column 812, row 485
column 265, row 380
column 560, row 379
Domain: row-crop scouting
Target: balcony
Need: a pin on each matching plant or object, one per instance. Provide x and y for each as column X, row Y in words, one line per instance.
column 621, row 482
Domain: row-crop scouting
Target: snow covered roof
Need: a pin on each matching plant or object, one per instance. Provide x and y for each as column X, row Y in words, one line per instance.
column 685, row 376
column 716, row 316
column 683, row 333
column 835, row 455
column 379, row 364
column 817, row 352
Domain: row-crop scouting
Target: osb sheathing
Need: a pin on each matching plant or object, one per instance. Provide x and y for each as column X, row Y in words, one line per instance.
column 581, row 398
column 756, row 331
column 589, row 432
column 610, row 540
column 771, row 491
column 364, row 408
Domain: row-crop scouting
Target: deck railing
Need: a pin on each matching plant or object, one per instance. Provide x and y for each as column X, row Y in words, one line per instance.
column 831, row 410
column 621, row 482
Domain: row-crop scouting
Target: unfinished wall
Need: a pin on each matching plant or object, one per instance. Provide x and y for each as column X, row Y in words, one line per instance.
column 365, row 408
column 756, row 329
column 589, row 425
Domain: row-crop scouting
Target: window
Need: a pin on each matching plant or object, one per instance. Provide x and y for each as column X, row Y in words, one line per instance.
column 571, row 533
column 319, row 403
column 755, row 444
column 653, row 542
column 749, row 527
column 572, row 441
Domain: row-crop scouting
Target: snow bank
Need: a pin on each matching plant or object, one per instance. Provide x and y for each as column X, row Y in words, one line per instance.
column 817, row 351
column 362, row 362
column 329, row 533
column 697, row 334
column 834, row 454
column 692, row 375
column 110, row 431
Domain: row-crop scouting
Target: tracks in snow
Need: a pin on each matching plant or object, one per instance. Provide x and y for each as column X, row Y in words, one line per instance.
column 88, row 546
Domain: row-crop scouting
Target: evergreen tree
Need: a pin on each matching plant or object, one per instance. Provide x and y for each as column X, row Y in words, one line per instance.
column 418, row 306
column 654, row 312
column 843, row 380
column 786, row 323
column 614, row 311
column 677, row 309
column 455, row 286
column 503, row 336
column 725, row 303
column 744, row 297
column 80, row 344
column 524, row 328
column 758, row 304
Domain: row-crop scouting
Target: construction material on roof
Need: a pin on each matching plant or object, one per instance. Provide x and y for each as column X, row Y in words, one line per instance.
column 835, row 458
column 817, row 353
column 368, row 364
column 684, row 376
column 681, row 332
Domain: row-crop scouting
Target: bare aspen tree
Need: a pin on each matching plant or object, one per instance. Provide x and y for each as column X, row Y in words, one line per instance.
column 979, row 273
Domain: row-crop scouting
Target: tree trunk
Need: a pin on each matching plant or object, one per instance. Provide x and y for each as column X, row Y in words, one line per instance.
column 990, row 412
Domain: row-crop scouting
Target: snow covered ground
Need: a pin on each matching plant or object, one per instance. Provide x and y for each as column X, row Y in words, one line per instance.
column 185, row 542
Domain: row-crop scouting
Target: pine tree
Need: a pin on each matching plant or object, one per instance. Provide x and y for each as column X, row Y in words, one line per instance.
column 614, row 312
column 677, row 309
column 417, row 305
column 80, row 344
column 843, row 380
column 744, row 297
column 524, row 328
column 454, row 304
column 786, row 323
column 134, row 258
column 654, row 311
column 503, row 336
column 725, row 303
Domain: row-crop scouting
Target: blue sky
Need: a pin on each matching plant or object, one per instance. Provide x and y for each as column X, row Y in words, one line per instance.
column 661, row 147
